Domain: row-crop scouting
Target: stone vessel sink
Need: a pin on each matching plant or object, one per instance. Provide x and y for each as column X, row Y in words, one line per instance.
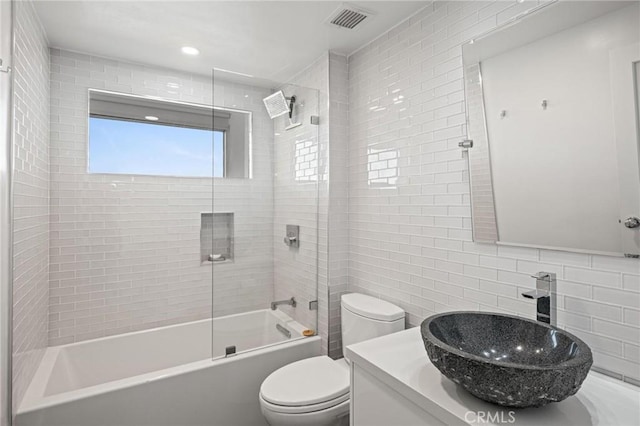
column 506, row 360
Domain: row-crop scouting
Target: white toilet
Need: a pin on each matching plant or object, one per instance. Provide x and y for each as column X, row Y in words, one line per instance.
column 315, row 391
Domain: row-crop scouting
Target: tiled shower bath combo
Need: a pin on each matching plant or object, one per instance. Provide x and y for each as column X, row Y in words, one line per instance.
column 319, row 213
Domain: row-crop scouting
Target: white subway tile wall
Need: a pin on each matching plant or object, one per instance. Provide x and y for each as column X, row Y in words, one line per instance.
column 31, row 196
column 410, row 238
column 125, row 250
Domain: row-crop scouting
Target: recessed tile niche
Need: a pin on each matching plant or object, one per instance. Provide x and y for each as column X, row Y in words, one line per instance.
column 216, row 237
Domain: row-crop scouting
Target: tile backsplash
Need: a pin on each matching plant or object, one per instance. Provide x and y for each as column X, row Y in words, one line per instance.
column 410, row 236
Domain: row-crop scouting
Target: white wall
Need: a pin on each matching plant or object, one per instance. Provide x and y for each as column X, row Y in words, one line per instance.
column 125, row 250
column 31, row 196
column 410, row 237
column 555, row 179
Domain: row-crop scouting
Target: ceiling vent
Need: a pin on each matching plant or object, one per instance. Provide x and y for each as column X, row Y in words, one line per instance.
column 348, row 17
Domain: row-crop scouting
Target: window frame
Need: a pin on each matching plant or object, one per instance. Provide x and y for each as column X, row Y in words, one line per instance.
column 225, row 160
column 249, row 130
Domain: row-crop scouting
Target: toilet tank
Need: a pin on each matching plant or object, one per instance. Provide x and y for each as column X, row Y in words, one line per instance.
column 365, row 317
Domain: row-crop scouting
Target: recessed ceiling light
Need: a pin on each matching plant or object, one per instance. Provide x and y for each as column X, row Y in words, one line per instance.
column 151, row 118
column 188, row 50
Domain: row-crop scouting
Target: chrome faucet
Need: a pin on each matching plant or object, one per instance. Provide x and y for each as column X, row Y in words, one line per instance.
column 291, row 302
column 545, row 297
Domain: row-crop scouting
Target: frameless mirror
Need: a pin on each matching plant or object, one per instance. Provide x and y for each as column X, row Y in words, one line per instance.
column 552, row 110
column 141, row 135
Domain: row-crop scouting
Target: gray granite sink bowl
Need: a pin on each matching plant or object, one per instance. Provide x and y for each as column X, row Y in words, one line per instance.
column 506, row 360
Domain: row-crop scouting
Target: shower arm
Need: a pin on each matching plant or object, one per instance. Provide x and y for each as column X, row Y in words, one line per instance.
column 292, row 100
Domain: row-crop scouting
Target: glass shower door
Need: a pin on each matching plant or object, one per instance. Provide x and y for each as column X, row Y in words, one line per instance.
column 262, row 285
column 297, row 177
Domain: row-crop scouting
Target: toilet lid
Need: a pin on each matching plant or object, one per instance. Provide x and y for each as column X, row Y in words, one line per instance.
column 309, row 381
column 372, row 308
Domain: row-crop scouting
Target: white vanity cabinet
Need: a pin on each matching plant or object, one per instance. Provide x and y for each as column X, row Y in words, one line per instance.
column 393, row 383
column 374, row 403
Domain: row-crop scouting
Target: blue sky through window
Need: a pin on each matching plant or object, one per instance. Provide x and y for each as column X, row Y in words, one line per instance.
column 130, row 147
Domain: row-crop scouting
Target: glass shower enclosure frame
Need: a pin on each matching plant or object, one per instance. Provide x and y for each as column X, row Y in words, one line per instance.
column 264, row 228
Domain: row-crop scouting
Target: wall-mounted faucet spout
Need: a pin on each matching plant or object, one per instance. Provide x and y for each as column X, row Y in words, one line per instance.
column 291, row 302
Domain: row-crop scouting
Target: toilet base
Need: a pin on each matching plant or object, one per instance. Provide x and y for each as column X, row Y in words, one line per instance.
column 334, row 416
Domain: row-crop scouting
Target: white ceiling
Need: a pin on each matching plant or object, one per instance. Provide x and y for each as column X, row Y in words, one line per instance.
column 271, row 40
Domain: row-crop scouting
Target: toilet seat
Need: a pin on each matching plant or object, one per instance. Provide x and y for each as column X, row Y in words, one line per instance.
column 305, row 409
column 305, row 386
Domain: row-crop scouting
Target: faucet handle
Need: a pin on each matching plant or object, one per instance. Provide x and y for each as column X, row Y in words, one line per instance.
column 545, row 282
column 547, row 276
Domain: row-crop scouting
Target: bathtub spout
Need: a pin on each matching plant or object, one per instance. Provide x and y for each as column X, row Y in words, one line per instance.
column 291, row 302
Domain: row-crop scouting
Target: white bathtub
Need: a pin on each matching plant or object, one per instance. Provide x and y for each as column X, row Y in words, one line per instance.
column 165, row 376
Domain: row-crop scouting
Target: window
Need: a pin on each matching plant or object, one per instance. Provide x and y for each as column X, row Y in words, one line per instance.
column 130, row 147
column 136, row 135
